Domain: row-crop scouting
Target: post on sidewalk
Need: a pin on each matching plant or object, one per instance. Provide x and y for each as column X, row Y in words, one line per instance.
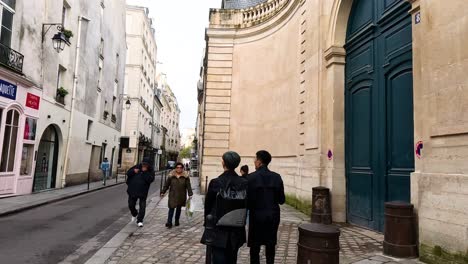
column 318, row 243
column 162, row 181
column 209, row 229
column 206, row 185
column 89, row 175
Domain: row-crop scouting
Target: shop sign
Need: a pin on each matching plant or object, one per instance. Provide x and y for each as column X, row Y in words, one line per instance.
column 32, row 101
column 30, row 129
column 8, row 90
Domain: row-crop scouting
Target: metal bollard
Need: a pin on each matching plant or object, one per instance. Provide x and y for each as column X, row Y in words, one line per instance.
column 209, row 229
column 162, row 182
column 206, row 185
column 321, row 206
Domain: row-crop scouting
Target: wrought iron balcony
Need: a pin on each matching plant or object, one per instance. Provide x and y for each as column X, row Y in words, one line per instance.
column 11, row 59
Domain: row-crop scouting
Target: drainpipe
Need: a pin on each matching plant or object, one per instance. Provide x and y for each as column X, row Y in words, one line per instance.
column 72, row 110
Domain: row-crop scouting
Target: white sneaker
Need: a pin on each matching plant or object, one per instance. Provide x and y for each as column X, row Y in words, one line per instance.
column 134, row 219
column 140, row 224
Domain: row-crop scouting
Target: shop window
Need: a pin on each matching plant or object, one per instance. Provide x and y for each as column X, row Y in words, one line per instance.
column 27, row 159
column 7, row 163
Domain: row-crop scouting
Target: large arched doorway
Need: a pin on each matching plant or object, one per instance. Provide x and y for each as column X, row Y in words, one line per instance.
column 47, row 158
column 378, row 109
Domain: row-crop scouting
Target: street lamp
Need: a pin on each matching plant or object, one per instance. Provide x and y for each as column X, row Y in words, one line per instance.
column 59, row 39
column 128, row 104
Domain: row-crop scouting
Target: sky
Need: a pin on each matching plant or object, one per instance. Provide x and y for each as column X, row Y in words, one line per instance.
column 180, row 36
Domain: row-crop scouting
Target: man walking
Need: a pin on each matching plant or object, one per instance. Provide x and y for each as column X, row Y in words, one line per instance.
column 139, row 179
column 105, row 167
column 266, row 193
column 226, row 194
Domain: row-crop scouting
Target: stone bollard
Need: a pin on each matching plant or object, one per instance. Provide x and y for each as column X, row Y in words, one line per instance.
column 400, row 230
column 319, row 244
column 321, row 206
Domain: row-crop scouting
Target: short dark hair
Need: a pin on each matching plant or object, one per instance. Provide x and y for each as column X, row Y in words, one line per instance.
column 245, row 169
column 264, row 157
column 179, row 164
column 231, row 160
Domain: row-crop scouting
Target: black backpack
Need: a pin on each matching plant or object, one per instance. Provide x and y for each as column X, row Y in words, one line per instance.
column 231, row 205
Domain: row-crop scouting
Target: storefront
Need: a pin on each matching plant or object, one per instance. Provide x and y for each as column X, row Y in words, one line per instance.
column 19, row 112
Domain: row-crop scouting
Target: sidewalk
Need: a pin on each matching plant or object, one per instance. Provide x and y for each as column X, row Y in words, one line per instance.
column 154, row 243
column 15, row 204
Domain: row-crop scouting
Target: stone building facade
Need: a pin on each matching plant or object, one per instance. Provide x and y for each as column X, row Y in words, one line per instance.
column 367, row 98
column 170, row 119
column 68, row 131
column 140, row 88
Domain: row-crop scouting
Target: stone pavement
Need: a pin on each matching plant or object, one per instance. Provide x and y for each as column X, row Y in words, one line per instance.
column 154, row 243
column 15, row 204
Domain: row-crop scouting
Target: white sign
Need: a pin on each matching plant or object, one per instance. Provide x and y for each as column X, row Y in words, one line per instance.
column 417, row 18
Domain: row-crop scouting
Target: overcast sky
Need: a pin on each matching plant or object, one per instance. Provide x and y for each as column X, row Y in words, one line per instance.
column 180, row 35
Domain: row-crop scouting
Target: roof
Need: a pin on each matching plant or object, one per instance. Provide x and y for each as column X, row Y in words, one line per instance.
column 240, row 4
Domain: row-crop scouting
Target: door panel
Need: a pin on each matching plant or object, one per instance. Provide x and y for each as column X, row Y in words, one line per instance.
column 379, row 109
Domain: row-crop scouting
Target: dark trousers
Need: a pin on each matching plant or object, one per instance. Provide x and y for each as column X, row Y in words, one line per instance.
column 226, row 255
column 132, row 200
column 177, row 214
column 270, row 252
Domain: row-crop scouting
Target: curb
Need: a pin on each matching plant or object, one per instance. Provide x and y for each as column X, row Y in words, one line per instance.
column 54, row 200
column 104, row 253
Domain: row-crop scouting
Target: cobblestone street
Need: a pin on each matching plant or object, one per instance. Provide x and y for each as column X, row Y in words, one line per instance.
column 154, row 243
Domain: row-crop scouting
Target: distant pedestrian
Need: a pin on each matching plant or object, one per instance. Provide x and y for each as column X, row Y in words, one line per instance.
column 226, row 196
column 139, row 179
column 105, row 167
column 244, row 170
column 178, row 185
column 266, row 193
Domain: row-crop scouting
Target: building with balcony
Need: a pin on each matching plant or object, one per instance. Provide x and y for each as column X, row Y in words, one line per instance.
column 60, row 113
column 140, row 88
column 20, row 103
column 170, row 118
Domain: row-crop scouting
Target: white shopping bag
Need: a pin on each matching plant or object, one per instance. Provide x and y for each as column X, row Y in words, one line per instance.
column 189, row 208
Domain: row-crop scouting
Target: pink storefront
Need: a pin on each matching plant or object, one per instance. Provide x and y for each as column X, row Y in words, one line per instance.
column 20, row 101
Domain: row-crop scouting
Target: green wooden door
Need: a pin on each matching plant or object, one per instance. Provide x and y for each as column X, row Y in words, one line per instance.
column 379, row 109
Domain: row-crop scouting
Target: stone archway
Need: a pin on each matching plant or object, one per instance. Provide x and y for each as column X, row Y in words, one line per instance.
column 45, row 175
column 335, row 63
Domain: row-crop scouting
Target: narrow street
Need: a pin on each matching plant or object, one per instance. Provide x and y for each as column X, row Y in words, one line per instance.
column 50, row 233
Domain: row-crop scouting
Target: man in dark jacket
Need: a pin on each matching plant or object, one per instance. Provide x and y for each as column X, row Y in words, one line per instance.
column 139, row 179
column 225, row 241
column 266, row 193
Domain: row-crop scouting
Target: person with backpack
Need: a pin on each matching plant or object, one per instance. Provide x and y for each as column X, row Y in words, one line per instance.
column 225, row 212
column 266, row 193
column 139, row 179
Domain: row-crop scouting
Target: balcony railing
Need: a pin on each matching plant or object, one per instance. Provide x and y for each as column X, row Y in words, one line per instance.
column 11, row 59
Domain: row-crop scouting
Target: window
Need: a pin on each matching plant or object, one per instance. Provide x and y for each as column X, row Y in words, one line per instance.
column 65, row 9
column 9, row 141
column 60, row 75
column 114, row 109
column 117, row 68
column 26, row 159
column 88, row 131
column 101, row 48
column 6, row 14
column 100, row 74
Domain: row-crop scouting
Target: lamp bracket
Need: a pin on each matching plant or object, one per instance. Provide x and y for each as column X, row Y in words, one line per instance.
column 46, row 27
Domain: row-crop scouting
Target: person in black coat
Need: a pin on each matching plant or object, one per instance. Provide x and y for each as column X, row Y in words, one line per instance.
column 139, row 179
column 225, row 241
column 266, row 193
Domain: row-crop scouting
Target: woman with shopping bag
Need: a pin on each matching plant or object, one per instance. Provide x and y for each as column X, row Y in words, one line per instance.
column 178, row 185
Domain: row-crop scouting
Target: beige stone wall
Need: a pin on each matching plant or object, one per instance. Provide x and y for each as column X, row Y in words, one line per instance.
column 440, row 183
column 277, row 82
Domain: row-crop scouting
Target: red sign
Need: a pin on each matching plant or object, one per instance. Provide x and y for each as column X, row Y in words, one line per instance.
column 32, row 101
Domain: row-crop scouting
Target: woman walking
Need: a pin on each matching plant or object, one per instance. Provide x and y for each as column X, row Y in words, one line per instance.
column 178, row 185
